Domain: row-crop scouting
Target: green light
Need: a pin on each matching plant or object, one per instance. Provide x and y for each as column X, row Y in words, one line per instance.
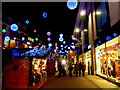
column 61, row 55
column 36, row 39
column 4, row 30
column 61, row 48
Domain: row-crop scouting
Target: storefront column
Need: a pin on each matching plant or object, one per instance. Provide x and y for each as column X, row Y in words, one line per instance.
column 92, row 36
column 82, row 36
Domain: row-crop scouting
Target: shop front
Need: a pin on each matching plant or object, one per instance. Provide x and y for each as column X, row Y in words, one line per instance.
column 87, row 61
column 108, row 59
column 39, row 74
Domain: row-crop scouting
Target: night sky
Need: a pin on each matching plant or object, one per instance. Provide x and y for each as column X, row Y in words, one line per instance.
column 60, row 18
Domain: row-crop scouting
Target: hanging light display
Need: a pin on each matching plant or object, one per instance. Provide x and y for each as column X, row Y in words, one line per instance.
column 72, row 4
column 14, row 27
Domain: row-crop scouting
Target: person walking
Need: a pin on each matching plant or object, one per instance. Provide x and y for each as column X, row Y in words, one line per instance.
column 59, row 69
column 76, row 68
column 80, row 68
column 83, row 68
column 70, row 68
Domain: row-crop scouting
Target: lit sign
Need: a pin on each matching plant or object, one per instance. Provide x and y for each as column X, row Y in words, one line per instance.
column 14, row 27
column 60, row 39
column 30, row 39
column 72, row 4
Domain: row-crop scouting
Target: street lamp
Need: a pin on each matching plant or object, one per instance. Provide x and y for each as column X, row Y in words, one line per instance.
column 83, row 12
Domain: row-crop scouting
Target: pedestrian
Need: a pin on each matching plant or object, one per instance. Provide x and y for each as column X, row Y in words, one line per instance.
column 83, row 68
column 59, row 69
column 70, row 68
column 80, row 68
column 76, row 68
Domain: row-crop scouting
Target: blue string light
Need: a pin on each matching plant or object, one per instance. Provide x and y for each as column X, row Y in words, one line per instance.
column 14, row 27
column 44, row 14
column 72, row 4
column 108, row 38
column 115, row 34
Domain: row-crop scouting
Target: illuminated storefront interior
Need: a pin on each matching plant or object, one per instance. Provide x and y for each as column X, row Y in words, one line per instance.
column 108, row 58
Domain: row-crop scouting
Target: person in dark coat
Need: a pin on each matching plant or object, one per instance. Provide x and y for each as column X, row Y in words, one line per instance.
column 80, row 68
column 59, row 69
column 70, row 68
column 83, row 69
column 76, row 68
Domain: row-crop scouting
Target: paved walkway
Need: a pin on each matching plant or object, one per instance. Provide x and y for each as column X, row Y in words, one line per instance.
column 89, row 81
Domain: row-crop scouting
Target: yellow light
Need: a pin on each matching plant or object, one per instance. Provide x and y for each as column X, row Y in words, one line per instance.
column 77, row 30
column 98, row 12
column 72, row 43
column 85, row 30
column 63, row 62
column 83, row 12
column 71, row 51
column 14, row 38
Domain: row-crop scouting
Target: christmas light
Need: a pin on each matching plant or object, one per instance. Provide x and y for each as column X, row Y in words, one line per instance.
column 7, row 38
column 50, row 44
column 4, row 30
column 23, row 38
column 108, row 38
column 72, row 4
column 49, row 39
column 14, row 27
column 48, row 33
column 114, row 34
column 44, row 14
column 36, row 39
column 61, row 39
column 35, row 30
column 64, row 42
column 27, row 21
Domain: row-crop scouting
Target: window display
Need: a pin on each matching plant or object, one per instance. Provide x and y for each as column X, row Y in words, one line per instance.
column 39, row 74
column 107, row 54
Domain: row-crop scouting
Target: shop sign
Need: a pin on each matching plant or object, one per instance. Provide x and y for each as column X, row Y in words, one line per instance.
column 30, row 39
